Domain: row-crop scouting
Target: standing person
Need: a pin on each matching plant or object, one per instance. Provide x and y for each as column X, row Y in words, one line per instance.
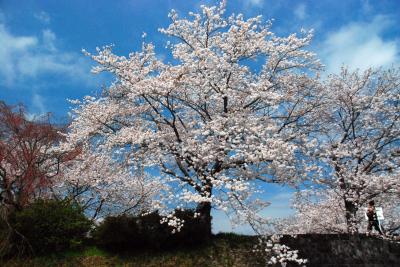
column 372, row 218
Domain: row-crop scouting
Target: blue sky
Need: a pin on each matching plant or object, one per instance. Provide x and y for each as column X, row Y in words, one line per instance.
column 41, row 64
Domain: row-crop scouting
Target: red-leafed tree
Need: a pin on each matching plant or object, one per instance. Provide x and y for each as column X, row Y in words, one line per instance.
column 28, row 164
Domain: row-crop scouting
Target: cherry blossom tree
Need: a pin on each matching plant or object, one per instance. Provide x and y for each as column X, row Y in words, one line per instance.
column 103, row 187
column 211, row 124
column 323, row 211
column 356, row 150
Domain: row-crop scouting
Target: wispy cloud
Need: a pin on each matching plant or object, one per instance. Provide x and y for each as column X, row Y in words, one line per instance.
column 257, row 3
column 11, row 48
column 42, row 17
column 49, row 39
column 300, row 11
column 361, row 45
column 26, row 57
column 282, row 196
column 38, row 107
column 38, row 103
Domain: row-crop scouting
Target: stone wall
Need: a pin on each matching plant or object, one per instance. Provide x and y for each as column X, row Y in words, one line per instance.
column 345, row 250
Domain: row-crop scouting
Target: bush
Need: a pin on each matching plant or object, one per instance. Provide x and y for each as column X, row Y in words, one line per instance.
column 122, row 233
column 52, row 225
column 152, row 234
column 117, row 233
column 193, row 232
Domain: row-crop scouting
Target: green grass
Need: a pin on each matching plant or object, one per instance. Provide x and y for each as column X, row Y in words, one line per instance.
column 223, row 250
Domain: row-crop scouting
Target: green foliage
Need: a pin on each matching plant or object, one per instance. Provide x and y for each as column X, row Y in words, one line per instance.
column 193, row 233
column 122, row 233
column 117, row 233
column 152, row 234
column 52, row 225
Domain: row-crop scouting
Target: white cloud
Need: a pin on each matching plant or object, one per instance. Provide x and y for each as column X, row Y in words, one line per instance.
column 38, row 103
column 360, row 45
column 11, row 47
column 257, row 3
column 43, row 17
column 38, row 107
column 26, row 57
column 300, row 11
column 49, row 39
column 282, row 196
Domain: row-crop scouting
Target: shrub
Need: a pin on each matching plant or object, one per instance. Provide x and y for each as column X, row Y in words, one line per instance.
column 52, row 225
column 153, row 234
column 193, row 232
column 117, row 233
column 122, row 233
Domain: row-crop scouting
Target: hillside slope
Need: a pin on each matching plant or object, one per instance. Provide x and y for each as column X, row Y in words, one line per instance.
column 234, row 250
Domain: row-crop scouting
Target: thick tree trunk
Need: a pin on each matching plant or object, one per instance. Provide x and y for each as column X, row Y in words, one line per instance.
column 351, row 219
column 350, row 208
column 204, row 208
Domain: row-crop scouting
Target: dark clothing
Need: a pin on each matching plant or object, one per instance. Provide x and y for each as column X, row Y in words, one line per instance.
column 373, row 220
column 371, row 214
column 374, row 224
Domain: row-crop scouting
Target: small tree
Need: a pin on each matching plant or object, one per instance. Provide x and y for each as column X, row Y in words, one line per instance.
column 28, row 165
